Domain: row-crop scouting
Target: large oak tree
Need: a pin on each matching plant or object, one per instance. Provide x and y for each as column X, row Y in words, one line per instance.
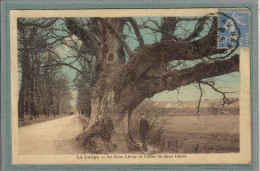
column 123, row 77
column 122, row 86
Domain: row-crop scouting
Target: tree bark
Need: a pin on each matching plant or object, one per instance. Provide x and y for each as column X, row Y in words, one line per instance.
column 21, row 101
column 120, row 88
column 108, row 127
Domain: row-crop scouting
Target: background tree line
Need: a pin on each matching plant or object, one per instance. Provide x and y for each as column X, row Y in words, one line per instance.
column 44, row 88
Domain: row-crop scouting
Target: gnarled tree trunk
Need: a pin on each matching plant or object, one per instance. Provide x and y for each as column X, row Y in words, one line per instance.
column 120, row 88
column 108, row 127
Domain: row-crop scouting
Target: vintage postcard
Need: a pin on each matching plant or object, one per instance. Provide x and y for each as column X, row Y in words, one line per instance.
column 131, row 86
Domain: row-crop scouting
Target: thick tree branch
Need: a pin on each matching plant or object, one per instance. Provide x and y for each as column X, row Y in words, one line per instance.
column 147, row 86
column 198, row 29
column 136, row 30
column 169, row 27
column 114, row 32
column 152, row 56
column 200, row 71
column 89, row 39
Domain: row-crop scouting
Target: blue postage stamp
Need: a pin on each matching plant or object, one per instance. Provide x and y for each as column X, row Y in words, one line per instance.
column 233, row 28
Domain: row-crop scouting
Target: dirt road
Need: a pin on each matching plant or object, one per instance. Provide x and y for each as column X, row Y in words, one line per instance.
column 51, row 137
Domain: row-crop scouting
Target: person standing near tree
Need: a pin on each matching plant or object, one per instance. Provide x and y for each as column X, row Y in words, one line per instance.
column 143, row 130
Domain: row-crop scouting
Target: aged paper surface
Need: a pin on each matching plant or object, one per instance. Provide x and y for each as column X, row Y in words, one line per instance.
column 241, row 155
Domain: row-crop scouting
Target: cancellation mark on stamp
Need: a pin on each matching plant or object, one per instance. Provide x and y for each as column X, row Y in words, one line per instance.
column 228, row 38
column 233, row 28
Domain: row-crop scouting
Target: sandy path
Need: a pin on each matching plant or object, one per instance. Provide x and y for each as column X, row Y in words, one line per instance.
column 51, row 137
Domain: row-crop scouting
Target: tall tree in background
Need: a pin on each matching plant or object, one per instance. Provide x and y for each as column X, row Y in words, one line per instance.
column 41, row 85
column 84, row 98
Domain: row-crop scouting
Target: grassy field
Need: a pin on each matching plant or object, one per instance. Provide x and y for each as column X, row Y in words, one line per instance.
column 179, row 129
column 187, row 134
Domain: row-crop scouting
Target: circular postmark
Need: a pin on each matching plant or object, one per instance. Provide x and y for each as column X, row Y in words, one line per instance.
column 228, row 37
